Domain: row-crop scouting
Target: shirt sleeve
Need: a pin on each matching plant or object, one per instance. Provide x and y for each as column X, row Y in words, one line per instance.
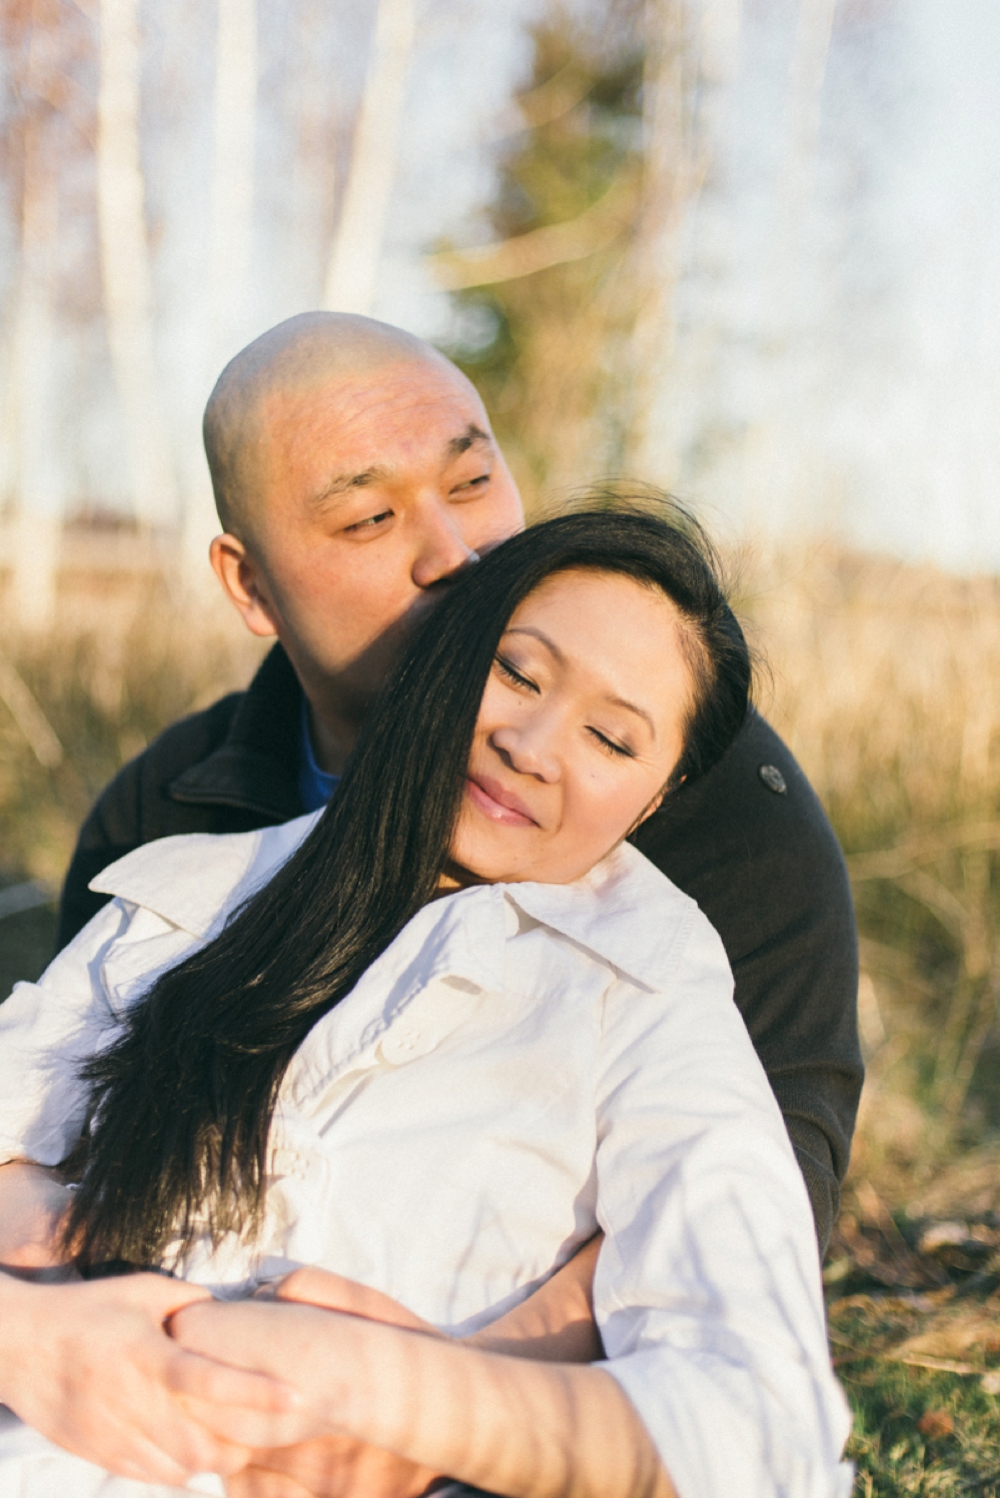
column 707, row 1290
column 50, row 1028
column 751, row 843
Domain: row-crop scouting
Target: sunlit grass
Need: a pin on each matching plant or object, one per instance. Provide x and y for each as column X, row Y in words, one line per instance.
column 885, row 680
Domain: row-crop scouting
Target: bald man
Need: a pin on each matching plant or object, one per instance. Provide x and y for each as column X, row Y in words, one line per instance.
column 355, row 472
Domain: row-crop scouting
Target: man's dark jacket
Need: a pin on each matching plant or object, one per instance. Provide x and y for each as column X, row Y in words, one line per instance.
column 749, row 841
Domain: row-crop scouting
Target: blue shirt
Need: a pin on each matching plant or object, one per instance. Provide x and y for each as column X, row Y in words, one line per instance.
column 315, row 785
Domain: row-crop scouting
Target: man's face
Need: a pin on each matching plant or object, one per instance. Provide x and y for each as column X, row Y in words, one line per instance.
column 377, row 489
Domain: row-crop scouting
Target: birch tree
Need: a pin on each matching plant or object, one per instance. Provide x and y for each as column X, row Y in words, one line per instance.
column 669, row 179
column 352, row 274
column 125, row 264
column 35, row 533
column 230, row 235
column 807, row 73
column 30, row 480
column 235, row 121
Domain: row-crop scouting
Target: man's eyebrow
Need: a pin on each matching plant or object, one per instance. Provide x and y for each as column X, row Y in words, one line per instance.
column 553, row 648
column 471, row 435
column 343, row 483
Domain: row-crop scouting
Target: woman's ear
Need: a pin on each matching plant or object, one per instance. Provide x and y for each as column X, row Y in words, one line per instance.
column 654, row 805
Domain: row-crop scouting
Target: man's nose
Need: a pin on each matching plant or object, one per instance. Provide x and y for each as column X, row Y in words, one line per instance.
column 440, row 550
column 529, row 748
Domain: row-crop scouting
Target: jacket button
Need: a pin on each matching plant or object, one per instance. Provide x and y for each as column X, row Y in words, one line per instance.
column 773, row 779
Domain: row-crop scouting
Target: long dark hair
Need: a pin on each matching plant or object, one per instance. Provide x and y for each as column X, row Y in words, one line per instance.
column 181, row 1103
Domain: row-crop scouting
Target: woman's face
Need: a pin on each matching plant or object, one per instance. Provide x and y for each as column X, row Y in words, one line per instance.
column 581, row 724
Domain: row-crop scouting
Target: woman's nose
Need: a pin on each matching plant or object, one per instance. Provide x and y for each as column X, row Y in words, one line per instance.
column 529, row 749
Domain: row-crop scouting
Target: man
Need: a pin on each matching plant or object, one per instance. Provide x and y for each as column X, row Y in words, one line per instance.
column 355, row 472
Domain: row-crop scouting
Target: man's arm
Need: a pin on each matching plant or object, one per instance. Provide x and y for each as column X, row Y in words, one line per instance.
column 33, row 1203
column 136, row 807
column 751, row 843
column 112, row 829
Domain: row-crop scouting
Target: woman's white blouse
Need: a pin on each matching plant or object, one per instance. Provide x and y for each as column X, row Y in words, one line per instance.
column 525, row 1063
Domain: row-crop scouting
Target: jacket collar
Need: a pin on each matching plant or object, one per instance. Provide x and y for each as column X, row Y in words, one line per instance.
column 256, row 767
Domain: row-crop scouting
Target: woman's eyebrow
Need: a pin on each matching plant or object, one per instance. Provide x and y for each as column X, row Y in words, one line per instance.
column 553, row 648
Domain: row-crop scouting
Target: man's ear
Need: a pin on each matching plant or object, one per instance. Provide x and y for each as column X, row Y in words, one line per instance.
column 242, row 584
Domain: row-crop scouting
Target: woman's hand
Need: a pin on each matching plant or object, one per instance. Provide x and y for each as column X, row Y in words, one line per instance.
column 91, row 1367
column 505, row 1424
column 331, row 1466
column 555, row 1324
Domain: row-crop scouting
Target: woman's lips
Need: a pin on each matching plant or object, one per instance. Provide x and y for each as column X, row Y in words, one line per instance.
column 497, row 803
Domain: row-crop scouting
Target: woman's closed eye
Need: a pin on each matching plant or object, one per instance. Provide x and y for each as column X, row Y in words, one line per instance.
column 511, row 674
column 610, row 746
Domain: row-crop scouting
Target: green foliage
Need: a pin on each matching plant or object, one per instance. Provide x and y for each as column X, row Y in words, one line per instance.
column 543, row 348
column 918, row 1433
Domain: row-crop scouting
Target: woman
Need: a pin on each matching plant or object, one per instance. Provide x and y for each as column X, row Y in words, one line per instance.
column 444, row 1097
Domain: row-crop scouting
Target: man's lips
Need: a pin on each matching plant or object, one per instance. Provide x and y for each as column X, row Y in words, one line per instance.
column 498, row 803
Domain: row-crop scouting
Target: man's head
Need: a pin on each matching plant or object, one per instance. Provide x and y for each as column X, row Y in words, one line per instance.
column 354, row 472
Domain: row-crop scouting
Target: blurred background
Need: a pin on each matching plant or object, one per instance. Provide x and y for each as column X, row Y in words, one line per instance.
column 746, row 249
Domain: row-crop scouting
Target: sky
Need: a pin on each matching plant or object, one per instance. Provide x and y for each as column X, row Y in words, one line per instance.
column 837, row 359
column 839, row 363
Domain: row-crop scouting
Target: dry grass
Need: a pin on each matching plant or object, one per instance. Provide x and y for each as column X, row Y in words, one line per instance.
column 886, row 682
column 885, row 679
column 80, row 700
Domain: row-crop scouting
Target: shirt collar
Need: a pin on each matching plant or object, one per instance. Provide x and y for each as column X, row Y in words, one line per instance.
column 624, row 912
column 195, row 881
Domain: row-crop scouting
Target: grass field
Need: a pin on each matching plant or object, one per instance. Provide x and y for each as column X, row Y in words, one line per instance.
column 885, row 679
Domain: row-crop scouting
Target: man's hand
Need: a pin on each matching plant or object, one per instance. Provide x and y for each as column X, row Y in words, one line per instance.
column 91, row 1367
column 556, row 1324
column 33, row 1203
column 330, row 1467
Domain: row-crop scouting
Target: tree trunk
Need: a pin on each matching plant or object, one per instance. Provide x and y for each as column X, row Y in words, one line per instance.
column 353, row 270
column 125, row 265
column 801, row 138
column 34, row 534
column 669, row 179
column 233, row 172
column 230, row 237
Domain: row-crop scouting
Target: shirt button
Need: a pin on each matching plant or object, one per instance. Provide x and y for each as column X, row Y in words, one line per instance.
column 401, row 1043
column 773, row 779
